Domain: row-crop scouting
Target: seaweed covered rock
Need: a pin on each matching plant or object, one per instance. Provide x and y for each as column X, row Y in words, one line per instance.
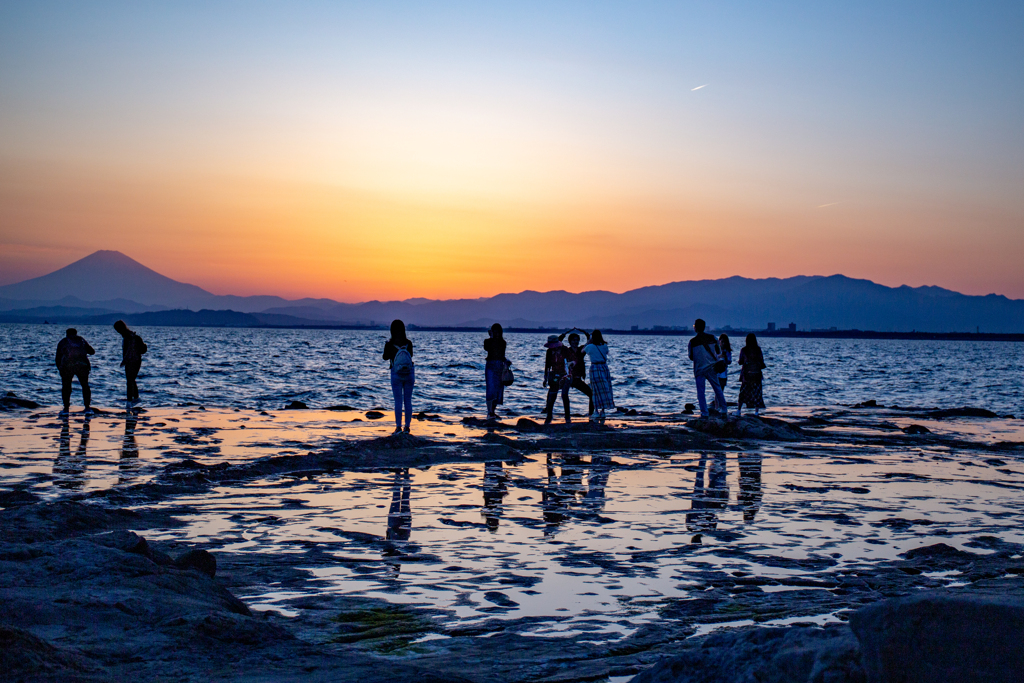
column 746, row 427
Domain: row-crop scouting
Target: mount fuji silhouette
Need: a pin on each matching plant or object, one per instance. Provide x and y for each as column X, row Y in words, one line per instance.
column 108, row 284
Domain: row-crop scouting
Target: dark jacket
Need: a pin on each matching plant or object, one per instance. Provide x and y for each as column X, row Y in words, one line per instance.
column 73, row 354
column 132, row 348
column 495, row 348
column 703, row 351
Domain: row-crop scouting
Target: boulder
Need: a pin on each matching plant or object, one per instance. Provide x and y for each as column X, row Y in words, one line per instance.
column 916, row 429
column 801, row 654
column 941, row 637
column 374, row 414
column 296, row 405
column 198, row 559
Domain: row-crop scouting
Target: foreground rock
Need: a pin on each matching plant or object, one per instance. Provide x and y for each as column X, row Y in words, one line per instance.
column 934, row 637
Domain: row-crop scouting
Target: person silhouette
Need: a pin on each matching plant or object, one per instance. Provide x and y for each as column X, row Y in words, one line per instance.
column 132, row 348
column 706, row 355
column 494, row 369
column 73, row 361
column 597, row 481
column 398, row 352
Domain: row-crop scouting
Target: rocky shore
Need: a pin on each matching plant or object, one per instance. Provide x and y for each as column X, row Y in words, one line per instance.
column 86, row 594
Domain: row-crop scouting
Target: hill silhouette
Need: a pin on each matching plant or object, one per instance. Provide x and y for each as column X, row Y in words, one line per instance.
column 108, row 283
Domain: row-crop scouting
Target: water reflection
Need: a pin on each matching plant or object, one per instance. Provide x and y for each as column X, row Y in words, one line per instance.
column 750, row 485
column 564, row 489
column 597, row 481
column 128, row 464
column 400, row 514
column 68, row 470
column 710, row 498
column 495, row 489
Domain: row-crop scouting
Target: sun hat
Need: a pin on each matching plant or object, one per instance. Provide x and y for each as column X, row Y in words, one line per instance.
column 553, row 342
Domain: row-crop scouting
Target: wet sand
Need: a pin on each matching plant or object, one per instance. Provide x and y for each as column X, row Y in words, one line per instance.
column 474, row 551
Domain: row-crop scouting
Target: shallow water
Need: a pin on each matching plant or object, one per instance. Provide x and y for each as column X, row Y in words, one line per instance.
column 262, row 368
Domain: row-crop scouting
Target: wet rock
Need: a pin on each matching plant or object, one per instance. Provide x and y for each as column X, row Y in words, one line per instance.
column 128, row 541
column 871, row 403
column 525, row 424
column 940, row 555
column 11, row 402
column 198, row 559
column 799, row 654
column 689, row 408
column 9, row 499
column 916, row 429
column 374, row 414
column 942, row 637
column 966, row 411
column 296, row 405
column 746, row 427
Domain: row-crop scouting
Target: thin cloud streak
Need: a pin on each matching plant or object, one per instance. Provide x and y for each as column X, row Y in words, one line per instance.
column 699, row 87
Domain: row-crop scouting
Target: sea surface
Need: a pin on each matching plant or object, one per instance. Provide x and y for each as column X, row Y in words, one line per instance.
column 263, row 368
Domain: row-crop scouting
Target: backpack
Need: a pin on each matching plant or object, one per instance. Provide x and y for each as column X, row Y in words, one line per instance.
column 402, row 364
column 140, row 346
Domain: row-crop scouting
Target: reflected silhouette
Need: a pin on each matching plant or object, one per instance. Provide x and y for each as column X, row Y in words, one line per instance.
column 68, row 470
column 597, row 480
column 553, row 501
column 128, row 465
column 750, row 485
column 708, row 500
column 400, row 514
column 495, row 489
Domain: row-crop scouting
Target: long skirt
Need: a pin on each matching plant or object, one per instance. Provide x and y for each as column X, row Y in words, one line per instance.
column 601, row 383
column 750, row 392
column 495, row 388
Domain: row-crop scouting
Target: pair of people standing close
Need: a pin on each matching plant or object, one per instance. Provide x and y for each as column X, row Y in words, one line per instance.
column 711, row 359
column 565, row 368
column 72, row 361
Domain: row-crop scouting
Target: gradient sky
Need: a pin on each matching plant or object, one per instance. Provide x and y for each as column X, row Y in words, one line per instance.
column 392, row 150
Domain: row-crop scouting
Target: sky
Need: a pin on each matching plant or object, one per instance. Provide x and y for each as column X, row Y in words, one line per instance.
column 391, row 150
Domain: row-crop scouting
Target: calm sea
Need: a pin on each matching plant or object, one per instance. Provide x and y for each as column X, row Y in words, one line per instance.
column 260, row 368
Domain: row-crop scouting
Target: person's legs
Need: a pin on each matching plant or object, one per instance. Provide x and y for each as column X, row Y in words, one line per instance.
column 396, row 390
column 65, row 388
column 407, row 386
column 716, row 386
column 566, row 385
column 83, row 379
column 131, row 371
column 578, row 383
column 723, row 407
column 702, row 401
column 549, row 407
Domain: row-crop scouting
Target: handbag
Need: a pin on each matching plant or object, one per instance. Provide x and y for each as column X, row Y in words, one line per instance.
column 507, row 378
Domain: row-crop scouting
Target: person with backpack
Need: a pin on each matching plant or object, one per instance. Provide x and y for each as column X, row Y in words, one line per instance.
column 494, row 370
column 398, row 351
column 132, row 348
column 557, row 376
column 73, row 361
column 600, row 378
column 706, row 356
column 752, row 363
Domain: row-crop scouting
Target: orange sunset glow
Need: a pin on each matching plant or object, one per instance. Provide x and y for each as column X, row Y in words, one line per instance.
column 331, row 153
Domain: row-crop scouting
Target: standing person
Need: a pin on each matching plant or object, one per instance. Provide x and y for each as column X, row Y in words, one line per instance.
column 398, row 350
column 132, row 348
column 723, row 376
column 751, row 363
column 494, row 345
column 556, row 376
column 600, row 378
column 704, row 353
column 73, row 361
column 578, row 367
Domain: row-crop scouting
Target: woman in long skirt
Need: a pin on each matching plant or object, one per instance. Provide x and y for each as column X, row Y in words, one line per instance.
column 600, row 378
column 751, row 363
column 494, row 345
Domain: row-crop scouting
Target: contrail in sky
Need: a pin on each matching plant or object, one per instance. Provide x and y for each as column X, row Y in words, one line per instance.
column 822, row 206
column 699, row 87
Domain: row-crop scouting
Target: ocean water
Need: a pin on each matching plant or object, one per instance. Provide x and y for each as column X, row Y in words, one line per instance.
column 262, row 368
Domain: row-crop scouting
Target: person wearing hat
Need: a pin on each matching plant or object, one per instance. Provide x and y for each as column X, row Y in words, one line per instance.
column 557, row 376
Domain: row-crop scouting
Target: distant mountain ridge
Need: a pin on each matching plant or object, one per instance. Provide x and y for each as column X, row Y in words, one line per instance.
column 108, row 282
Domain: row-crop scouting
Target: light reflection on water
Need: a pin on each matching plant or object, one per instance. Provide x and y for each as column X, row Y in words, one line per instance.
column 268, row 368
column 595, row 544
